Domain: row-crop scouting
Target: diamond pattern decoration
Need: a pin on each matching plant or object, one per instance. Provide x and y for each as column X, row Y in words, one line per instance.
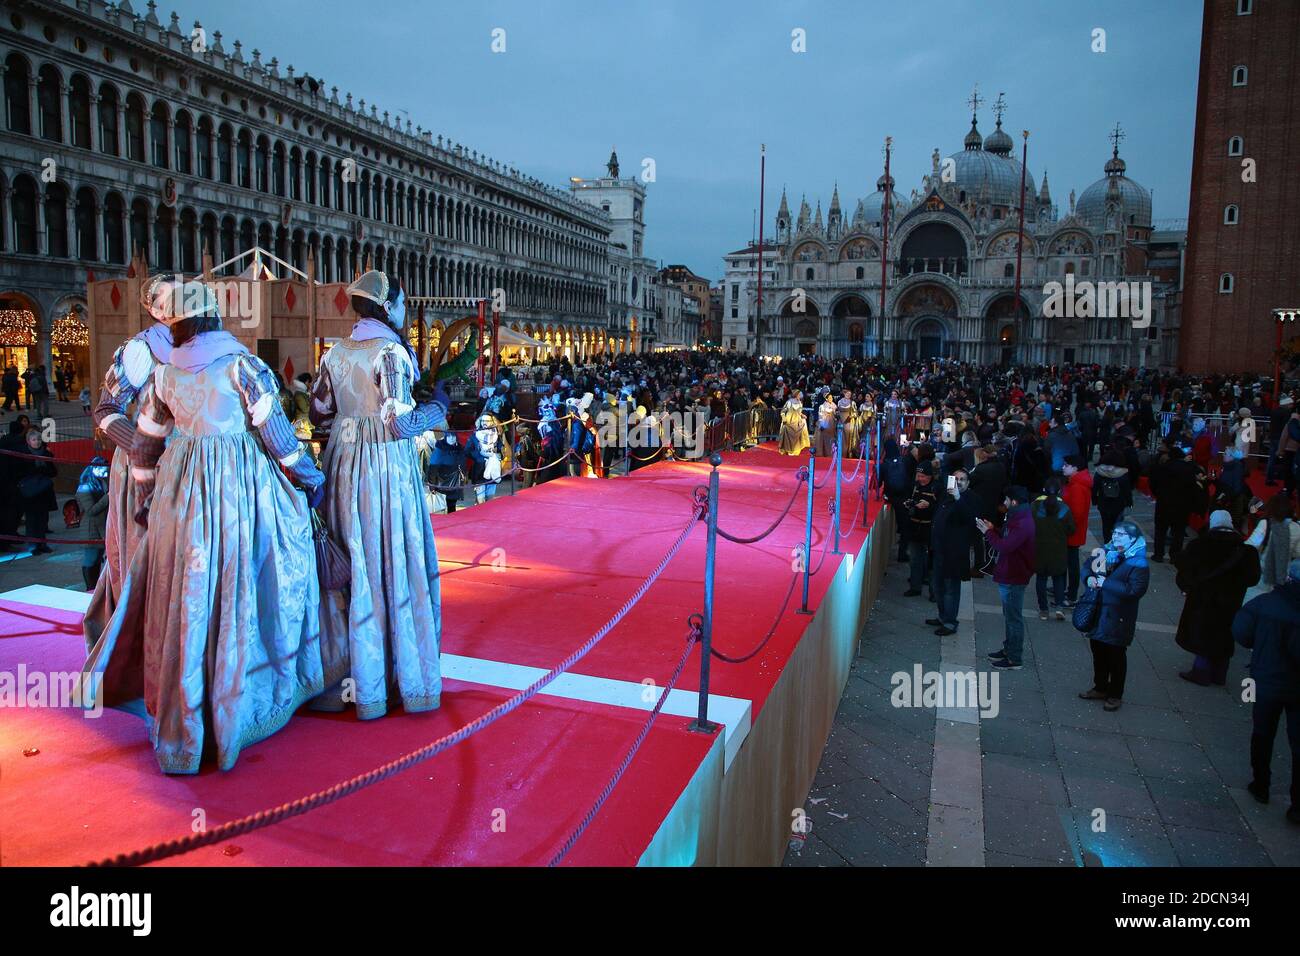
column 116, row 296
column 341, row 301
column 289, row 298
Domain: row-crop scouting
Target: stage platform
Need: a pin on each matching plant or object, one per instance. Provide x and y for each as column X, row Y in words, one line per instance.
column 525, row 581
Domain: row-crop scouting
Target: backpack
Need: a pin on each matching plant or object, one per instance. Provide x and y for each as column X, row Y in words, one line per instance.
column 1109, row 488
column 894, row 475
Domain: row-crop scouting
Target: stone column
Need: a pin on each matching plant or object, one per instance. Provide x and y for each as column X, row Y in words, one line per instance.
column 65, row 114
column 119, row 133
column 33, row 105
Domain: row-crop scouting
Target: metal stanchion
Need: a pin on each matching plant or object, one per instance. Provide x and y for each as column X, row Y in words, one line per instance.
column 702, row 724
column 866, row 483
column 839, row 475
column 807, row 531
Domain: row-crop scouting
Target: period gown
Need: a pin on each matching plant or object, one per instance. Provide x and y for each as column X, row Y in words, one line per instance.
column 217, row 625
column 385, row 631
column 847, row 413
column 133, row 365
column 826, row 432
column 794, row 427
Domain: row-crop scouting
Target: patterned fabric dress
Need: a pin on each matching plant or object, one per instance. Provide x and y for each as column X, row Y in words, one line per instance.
column 217, row 626
column 385, row 631
column 133, row 364
column 794, row 427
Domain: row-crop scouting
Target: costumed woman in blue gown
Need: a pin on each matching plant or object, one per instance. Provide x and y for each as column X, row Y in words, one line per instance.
column 217, row 626
column 133, row 364
column 386, row 628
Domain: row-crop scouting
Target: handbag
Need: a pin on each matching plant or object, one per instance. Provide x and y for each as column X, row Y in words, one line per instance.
column 33, row 485
column 1087, row 610
column 333, row 565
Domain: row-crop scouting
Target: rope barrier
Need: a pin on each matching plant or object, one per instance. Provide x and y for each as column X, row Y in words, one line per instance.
column 825, row 541
column 770, row 631
column 854, row 477
column 692, row 636
column 265, row 818
column 800, row 477
column 70, row 541
column 49, row 458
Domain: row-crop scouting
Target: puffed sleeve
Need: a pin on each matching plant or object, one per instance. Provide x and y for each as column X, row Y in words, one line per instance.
column 395, row 375
column 323, row 406
column 152, row 427
column 133, row 363
column 256, row 383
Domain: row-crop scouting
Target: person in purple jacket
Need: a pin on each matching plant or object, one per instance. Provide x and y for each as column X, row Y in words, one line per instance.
column 1015, row 546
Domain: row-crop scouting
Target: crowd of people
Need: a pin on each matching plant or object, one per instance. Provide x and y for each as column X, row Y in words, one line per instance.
column 988, row 470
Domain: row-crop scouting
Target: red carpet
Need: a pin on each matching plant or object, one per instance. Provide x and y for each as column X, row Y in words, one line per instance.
column 571, row 553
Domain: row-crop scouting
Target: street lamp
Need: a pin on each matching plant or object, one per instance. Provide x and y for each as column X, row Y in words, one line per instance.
column 1282, row 317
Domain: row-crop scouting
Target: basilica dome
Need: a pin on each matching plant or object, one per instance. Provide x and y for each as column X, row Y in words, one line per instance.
column 1136, row 200
column 975, row 167
column 870, row 206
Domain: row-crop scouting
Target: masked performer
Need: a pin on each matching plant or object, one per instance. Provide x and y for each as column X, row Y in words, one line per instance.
column 217, row 626
column 133, row 364
column 483, row 450
column 825, row 445
column 386, row 628
column 794, row 427
column 846, row 414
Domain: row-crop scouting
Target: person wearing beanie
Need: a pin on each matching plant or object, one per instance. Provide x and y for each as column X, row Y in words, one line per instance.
column 1112, row 490
column 1270, row 626
column 1214, row 572
column 1077, row 494
column 1016, row 548
column 1125, row 580
column 919, row 512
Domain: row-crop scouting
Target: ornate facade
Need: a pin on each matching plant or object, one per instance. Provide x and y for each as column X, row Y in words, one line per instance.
column 124, row 133
column 951, row 262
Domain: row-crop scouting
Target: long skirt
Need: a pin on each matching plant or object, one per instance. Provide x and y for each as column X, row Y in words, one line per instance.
column 385, row 631
column 122, row 535
column 794, row 438
column 217, row 624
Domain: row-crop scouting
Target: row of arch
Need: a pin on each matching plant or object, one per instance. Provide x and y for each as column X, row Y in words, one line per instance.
column 73, row 223
column 853, row 305
column 106, row 121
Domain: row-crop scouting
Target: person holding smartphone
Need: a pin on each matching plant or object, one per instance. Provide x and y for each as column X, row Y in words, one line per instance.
column 1015, row 545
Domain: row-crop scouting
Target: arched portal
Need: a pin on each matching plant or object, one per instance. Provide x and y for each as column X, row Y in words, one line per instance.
column 852, row 317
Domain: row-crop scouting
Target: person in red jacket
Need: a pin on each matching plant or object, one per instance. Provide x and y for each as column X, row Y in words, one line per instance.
column 1077, row 493
column 1016, row 547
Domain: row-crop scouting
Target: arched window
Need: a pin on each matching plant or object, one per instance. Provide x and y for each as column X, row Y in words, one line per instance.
column 1235, row 146
column 24, row 213
column 48, row 101
column 158, row 125
column 203, row 148
column 188, row 233
column 114, row 226
column 808, row 274
column 244, row 159
column 56, row 220
column 208, row 234
column 135, row 128
column 84, row 215
column 295, row 174
column 261, row 163
column 184, row 135
column 1239, row 73
column 108, row 120
column 227, row 239
column 226, row 155
column 1229, row 215
column 139, row 226
column 18, row 111
column 861, row 272
column 79, row 112
column 277, row 169
column 1225, row 283
column 1008, row 271
column 164, row 227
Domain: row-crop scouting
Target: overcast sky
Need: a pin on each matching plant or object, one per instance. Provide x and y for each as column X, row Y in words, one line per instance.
column 697, row 85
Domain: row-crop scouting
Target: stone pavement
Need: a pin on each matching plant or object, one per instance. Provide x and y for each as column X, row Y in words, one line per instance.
column 1051, row 780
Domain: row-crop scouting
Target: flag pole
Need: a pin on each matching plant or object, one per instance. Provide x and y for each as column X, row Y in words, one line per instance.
column 1020, row 238
column 762, row 180
column 884, row 245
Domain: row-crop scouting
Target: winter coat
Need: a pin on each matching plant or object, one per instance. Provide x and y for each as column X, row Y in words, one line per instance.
column 988, row 486
column 919, row 516
column 1177, row 487
column 1052, row 530
column 1077, row 493
column 43, row 500
column 1060, row 443
column 1112, row 489
column 1214, row 571
column 1270, row 626
column 1015, row 547
column 1120, row 593
column 952, row 534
